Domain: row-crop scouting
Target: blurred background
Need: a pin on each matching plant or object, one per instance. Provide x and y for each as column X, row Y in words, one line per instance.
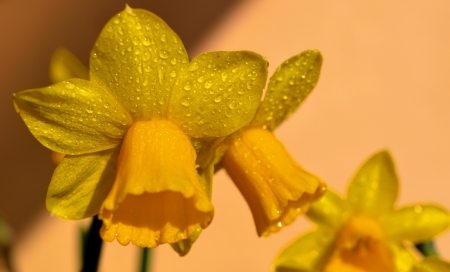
column 385, row 84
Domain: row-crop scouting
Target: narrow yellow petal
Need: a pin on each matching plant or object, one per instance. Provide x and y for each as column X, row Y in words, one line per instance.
column 73, row 117
column 138, row 58
column 330, row 210
column 80, row 183
column 416, row 223
column 288, row 87
column 404, row 258
column 157, row 196
column 218, row 93
column 275, row 187
column 374, row 188
column 432, row 264
column 307, row 253
column 64, row 65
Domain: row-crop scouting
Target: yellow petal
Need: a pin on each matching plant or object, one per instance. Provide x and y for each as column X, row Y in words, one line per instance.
column 218, row 93
column 81, row 183
column 404, row 259
column 138, row 58
column 330, row 210
column 275, row 187
column 309, row 252
column 157, row 196
column 416, row 223
column 374, row 188
column 291, row 83
column 73, row 117
column 432, row 264
column 64, row 65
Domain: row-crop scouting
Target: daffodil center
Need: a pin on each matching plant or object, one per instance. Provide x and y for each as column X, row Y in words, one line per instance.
column 360, row 246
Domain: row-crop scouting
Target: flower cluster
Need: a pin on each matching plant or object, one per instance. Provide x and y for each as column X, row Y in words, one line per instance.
column 364, row 232
column 144, row 130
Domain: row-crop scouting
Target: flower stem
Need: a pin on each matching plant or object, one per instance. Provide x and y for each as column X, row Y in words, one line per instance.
column 427, row 249
column 93, row 247
column 146, row 259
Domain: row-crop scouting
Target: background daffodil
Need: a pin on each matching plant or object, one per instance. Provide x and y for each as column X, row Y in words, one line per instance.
column 364, row 232
column 128, row 131
column 275, row 186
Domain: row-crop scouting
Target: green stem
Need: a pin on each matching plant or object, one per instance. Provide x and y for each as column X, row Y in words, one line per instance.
column 93, row 247
column 146, row 259
column 427, row 249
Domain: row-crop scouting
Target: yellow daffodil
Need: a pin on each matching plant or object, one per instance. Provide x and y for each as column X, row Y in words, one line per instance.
column 275, row 186
column 135, row 132
column 364, row 232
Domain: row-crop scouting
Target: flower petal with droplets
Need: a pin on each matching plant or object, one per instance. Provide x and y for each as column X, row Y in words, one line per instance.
column 374, row 188
column 416, row 223
column 288, row 87
column 218, row 93
column 73, row 117
column 80, row 183
column 135, row 57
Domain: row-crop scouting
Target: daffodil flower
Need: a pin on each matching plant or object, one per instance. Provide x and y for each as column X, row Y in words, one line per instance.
column 364, row 232
column 275, row 186
column 134, row 132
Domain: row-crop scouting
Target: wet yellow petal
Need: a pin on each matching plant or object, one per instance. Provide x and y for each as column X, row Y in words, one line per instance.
column 374, row 188
column 309, row 252
column 432, row 264
column 184, row 246
column 81, row 183
column 157, row 196
column 73, row 117
column 275, row 187
column 404, row 259
column 64, row 65
column 218, row 93
column 417, row 223
column 291, row 83
column 330, row 210
column 138, row 57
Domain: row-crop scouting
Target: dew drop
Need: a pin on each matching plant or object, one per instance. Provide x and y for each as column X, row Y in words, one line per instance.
column 187, row 87
column 208, row 84
column 232, row 105
column 218, row 99
column 163, row 38
column 173, row 74
column 201, row 79
column 185, row 102
column 224, row 76
column 138, row 26
column 173, row 61
column 89, row 110
column 163, row 54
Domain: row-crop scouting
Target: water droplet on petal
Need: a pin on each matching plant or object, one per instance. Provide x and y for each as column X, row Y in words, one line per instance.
column 218, row 99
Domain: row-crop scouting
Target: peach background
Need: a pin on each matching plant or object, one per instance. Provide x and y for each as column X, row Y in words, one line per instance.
column 385, row 84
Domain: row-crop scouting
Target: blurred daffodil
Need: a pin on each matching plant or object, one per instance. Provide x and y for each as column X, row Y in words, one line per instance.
column 364, row 232
column 275, row 186
column 135, row 132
